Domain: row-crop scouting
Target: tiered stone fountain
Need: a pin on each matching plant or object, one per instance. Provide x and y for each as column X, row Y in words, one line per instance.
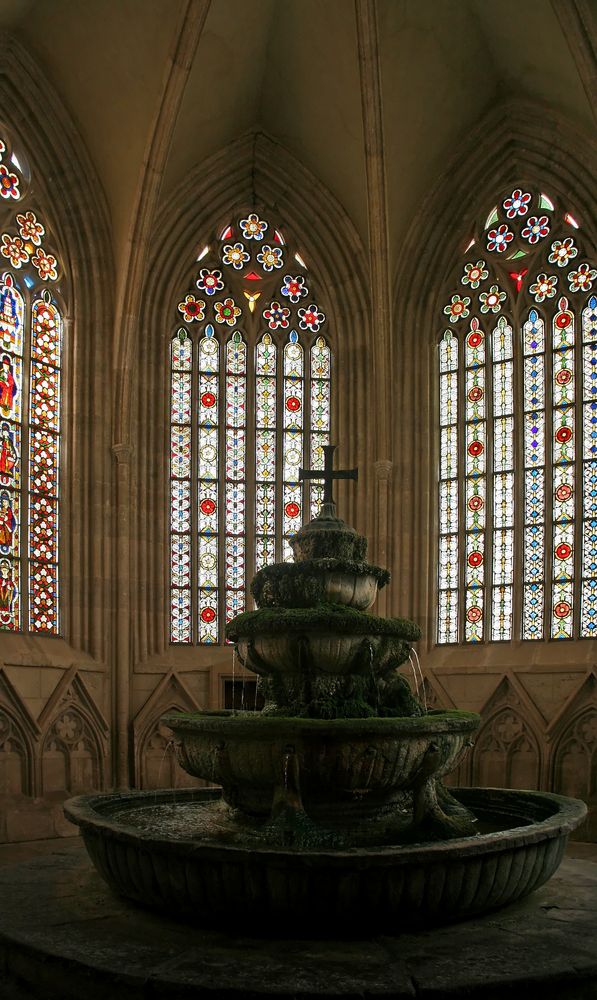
column 331, row 809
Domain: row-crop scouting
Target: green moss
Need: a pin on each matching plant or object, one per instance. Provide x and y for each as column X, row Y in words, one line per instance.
column 322, row 618
column 302, row 584
column 329, row 543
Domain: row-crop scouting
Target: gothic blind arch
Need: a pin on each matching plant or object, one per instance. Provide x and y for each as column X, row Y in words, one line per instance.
column 31, row 360
column 517, row 550
column 250, row 402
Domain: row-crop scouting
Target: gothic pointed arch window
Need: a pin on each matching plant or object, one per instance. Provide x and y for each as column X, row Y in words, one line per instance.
column 31, row 340
column 250, row 402
column 518, row 428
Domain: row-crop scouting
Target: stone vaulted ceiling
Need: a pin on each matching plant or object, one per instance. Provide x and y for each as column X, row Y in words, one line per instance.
column 291, row 68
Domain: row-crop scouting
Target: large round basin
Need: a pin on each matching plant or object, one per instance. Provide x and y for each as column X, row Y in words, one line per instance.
column 327, row 892
column 348, row 770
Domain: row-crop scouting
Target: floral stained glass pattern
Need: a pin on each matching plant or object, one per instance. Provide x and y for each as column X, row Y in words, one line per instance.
column 31, row 335
column 265, row 451
column 533, row 447
column 533, row 600
column 321, row 401
column 588, row 594
column 448, row 504
column 247, row 408
column 475, row 483
column 292, row 449
column 180, row 485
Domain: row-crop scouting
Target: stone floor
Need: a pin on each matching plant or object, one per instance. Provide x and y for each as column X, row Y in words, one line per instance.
column 64, row 935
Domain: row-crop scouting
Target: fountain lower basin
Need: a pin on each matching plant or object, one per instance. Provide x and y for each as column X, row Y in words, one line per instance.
column 324, row 891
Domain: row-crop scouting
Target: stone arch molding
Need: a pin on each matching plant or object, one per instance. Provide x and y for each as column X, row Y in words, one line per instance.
column 516, row 141
column 19, row 734
column 71, row 197
column 155, row 761
column 254, row 170
column 74, row 740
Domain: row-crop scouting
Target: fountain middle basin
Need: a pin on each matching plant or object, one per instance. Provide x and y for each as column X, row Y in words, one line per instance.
column 322, row 891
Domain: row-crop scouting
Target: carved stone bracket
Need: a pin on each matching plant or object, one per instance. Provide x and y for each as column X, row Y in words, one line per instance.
column 383, row 470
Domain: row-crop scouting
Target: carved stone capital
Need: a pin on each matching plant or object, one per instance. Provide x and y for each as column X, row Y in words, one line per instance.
column 122, row 453
column 383, row 470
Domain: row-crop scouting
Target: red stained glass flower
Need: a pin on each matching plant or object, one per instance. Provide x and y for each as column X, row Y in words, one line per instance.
column 30, row 228
column 562, row 609
column 535, row 229
column 192, row 309
column 207, row 506
column 563, row 435
column 544, row 287
column 563, row 492
column 14, row 249
column 277, row 316
column 209, row 282
column 475, row 503
column 474, row 274
column 293, row 403
column 475, row 448
column 498, row 239
column 582, row 279
column 292, row 509
column 562, row 251
column 226, row 311
column 474, row 339
column 208, row 399
column 563, row 550
column 294, row 288
column 457, row 308
column 564, row 376
column 9, row 184
column 475, row 559
column 491, row 301
column 474, row 614
column 310, row 318
column 563, row 320
column 208, row 615
column 517, row 203
column 475, row 394
column 45, row 265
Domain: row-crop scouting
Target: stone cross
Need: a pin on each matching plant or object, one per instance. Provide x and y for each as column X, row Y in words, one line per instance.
column 327, row 474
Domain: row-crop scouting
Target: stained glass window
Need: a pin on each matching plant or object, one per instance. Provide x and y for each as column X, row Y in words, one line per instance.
column 518, row 430
column 250, row 403
column 31, row 334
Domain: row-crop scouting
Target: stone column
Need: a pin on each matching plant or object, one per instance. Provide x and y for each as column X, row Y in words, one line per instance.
column 122, row 642
column 383, row 475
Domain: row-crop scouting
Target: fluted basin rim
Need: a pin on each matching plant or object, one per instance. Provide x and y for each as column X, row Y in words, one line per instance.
column 87, row 813
column 256, row 725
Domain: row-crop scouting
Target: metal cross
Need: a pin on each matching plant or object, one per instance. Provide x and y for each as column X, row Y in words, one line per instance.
column 327, row 473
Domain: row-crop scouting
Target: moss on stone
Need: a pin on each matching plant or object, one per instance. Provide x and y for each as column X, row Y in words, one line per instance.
column 329, row 543
column 302, row 584
column 322, row 618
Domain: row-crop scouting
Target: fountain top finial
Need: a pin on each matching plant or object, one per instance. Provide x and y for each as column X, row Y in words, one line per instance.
column 328, row 475
column 327, row 536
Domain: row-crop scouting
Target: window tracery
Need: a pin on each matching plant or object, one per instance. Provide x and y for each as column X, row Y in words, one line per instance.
column 31, row 335
column 518, row 430
column 250, row 402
